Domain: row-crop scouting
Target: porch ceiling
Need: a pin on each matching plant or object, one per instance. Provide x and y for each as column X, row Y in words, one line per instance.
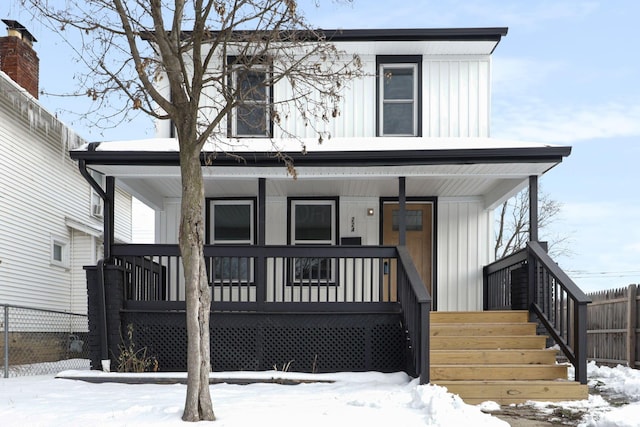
column 359, row 167
column 492, row 182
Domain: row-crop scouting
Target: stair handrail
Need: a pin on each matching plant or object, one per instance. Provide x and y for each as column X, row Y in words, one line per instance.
column 541, row 264
column 416, row 306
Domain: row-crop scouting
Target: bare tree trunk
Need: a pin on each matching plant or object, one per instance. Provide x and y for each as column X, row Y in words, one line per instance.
column 198, row 406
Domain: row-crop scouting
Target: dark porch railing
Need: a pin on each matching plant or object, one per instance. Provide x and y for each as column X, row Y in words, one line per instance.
column 287, row 279
column 532, row 278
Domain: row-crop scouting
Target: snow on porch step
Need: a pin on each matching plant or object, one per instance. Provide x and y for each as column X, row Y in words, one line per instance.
column 492, row 357
column 487, row 342
column 509, row 392
column 497, row 372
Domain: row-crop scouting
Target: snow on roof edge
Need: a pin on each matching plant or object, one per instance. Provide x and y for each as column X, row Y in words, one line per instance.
column 312, row 145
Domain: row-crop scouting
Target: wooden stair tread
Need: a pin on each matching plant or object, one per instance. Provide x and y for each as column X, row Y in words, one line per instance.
column 483, row 329
column 498, row 372
column 488, row 342
column 516, row 391
column 493, row 356
column 496, row 355
column 497, row 316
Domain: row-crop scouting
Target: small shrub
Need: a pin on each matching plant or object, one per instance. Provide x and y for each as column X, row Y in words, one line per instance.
column 132, row 360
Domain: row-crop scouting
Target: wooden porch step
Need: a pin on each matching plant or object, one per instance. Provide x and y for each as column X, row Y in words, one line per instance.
column 511, row 342
column 497, row 372
column 492, row 357
column 509, row 392
column 497, row 316
column 496, row 355
column 484, row 329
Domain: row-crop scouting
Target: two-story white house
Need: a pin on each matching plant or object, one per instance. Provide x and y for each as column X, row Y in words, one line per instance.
column 387, row 220
column 51, row 221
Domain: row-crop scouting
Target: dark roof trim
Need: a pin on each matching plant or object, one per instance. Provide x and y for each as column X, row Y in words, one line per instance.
column 386, row 34
column 333, row 158
column 417, row 34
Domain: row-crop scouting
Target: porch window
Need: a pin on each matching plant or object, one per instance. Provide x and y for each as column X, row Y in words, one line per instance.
column 252, row 94
column 313, row 222
column 399, row 95
column 231, row 222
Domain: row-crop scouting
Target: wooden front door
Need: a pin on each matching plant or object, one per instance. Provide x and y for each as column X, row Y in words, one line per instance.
column 419, row 237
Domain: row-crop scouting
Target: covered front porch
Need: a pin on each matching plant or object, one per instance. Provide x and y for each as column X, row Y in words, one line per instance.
column 400, row 232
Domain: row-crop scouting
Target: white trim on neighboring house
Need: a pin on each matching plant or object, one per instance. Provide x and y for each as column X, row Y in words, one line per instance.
column 60, row 251
column 90, row 229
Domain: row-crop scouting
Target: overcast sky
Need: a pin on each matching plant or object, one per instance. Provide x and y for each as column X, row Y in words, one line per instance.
column 567, row 72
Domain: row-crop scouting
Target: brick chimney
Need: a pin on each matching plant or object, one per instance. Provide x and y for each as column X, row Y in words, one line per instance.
column 17, row 57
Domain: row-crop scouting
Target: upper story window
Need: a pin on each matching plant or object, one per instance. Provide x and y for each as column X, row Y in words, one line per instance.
column 252, row 115
column 399, row 101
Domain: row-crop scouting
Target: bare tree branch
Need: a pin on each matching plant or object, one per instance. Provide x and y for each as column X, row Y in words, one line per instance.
column 512, row 224
column 169, row 60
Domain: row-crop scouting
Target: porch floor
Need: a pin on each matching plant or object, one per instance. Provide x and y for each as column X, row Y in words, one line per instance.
column 497, row 355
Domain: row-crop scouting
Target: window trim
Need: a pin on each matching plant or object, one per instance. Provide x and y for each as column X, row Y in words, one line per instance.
column 210, row 238
column 398, row 61
column 234, row 64
column 292, row 202
column 210, row 217
column 63, row 243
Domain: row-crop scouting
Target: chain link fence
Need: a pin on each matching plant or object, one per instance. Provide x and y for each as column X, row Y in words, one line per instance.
column 39, row 342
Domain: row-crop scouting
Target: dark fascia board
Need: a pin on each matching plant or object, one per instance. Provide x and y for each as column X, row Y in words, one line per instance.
column 417, row 34
column 386, row 34
column 334, row 158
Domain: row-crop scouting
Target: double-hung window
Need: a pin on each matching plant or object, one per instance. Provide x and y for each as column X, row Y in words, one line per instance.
column 252, row 94
column 313, row 222
column 399, row 87
column 231, row 222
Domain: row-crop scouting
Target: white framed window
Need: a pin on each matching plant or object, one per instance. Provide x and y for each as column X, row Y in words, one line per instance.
column 252, row 115
column 313, row 222
column 59, row 250
column 399, row 96
column 231, row 222
column 96, row 202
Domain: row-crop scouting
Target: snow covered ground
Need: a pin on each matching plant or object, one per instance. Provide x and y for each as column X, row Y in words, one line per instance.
column 371, row 399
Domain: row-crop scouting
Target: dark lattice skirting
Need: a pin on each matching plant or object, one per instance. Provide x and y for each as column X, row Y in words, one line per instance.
column 305, row 342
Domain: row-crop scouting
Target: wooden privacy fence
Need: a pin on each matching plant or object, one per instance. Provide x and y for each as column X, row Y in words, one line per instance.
column 612, row 327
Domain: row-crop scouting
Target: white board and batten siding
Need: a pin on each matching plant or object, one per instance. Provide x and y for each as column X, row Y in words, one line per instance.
column 455, row 96
column 43, row 197
column 455, row 101
column 463, row 248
